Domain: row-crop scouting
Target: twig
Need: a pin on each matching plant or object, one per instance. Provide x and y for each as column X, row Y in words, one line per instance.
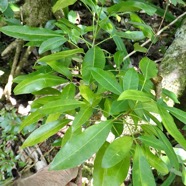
column 157, row 34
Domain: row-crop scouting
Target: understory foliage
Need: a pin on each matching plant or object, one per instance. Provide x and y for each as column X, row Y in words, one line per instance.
column 104, row 93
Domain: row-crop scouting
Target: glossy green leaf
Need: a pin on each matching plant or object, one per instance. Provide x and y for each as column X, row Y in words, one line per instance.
column 44, row 132
column 93, row 58
column 113, row 176
column 81, row 147
column 131, row 6
column 51, row 44
column 68, row 91
column 3, row 5
column 171, row 95
column 47, row 91
column 136, row 95
column 32, row 118
column 148, row 68
column 117, row 129
column 141, row 172
column 61, row 106
column 58, row 66
column 156, row 162
column 171, row 127
column 106, row 80
column 29, row 33
column 61, row 55
column 38, row 82
column 84, row 114
column 117, row 151
column 60, row 4
column 179, row 114
column 130, row 80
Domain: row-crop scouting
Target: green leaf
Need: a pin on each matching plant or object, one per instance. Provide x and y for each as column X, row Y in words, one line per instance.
column 32, row 118
column 86, row 93
column 179, row 114
column 51, row 44
column 44, row 132
column 171, row 127
column 58, row 66
column 68, row 91
column 29, row 33
column 61, row 4
column 106, row 80
column 131, row 6
column 171, row 95
column 61, row 106
column 113, row 176
column 136, row 95
column 118, row 58
column 130, row 80
column 148, row 68
column 141, row 172
column 132, row 35
column 119, row 106
column 117, row 129
column 61, row 55
column 81, row 147
column 139, row 48
column 38, row 82
column 117, row 151
column 84, row 114
column 3, row 5
column 93, row 58
column 156, row 162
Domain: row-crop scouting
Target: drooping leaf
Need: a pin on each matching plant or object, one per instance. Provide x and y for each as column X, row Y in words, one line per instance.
column 60, row 55
column 171, row 127
column 112, row 176
column 51, row 44
column 136, row 95
column 82, row 117
column 106, row 80
column 117, row 151
column 148, row 68
column 118, row 58
column 32, row 118
column 29, row 33
column 44, row 132
column 60, row 4
column 61, row 106
column 171, row 95
column 81, row 147
column 179, row 114
column 38, row 82
column 141, row 172
column 130, row 80
column 131, row 6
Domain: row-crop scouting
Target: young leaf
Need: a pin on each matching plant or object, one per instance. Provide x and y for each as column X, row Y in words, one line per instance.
column 106, row 80
column 136, row 95
column 113, row 176
column 170, row 126
column 81, row 147
column 51, row 44
column 29, row 33
column 61, row 106
column 61, row 55
column 141, row 172
column 44, row 132
column 117, row 151
column 38, row 82
column 130, row 80
column 82, row 117
column 148, row 68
